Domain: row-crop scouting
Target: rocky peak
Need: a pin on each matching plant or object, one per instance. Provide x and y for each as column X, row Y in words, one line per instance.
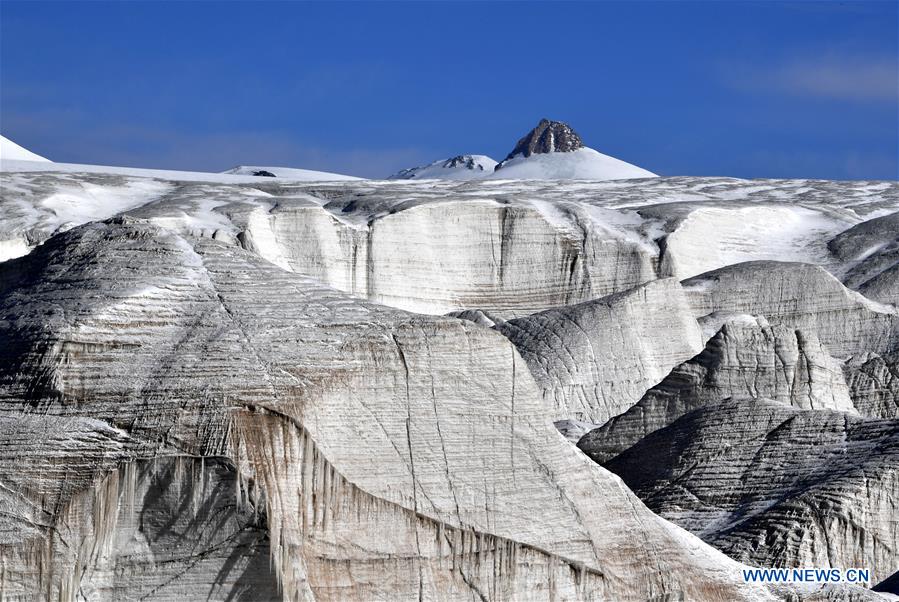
column 460, row 167
column 464, row 161
column 547, row 137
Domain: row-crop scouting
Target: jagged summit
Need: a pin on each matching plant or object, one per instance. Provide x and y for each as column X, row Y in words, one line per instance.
column 548, row 137
column 550, row 151
column 466, row 161
column 460, row 167
column 554, row 151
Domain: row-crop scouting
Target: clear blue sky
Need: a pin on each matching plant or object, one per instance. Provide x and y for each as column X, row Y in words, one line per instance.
column 756, row 89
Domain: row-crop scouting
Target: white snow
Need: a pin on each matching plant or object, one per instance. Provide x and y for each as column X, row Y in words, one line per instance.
column 74, row 205
column 628, row 224
column 482, row 166
column 289, row 173
column 713, row 237
column 11, row 150
column 69, row 203
column 582, row 164
column 12, row 248
column 200, row 220
column 162, row 174
column 554, row 214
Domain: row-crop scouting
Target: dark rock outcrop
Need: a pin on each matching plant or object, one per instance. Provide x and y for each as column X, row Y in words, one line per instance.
column 547, row 137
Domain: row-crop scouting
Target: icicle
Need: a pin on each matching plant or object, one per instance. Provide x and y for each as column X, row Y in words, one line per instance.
column 497, row 560
column 237, row 501
column 481, row 541
column 308, row 490
column 337, row 495
column 581, row 578
column 288, row 442
column 130, row 489
column 512, row 564
column 326, row 496
column 194, row 488
column 105, row 516
column 202, row 477
column 551, row 565
column 440, row 530
column 179, row 475
column 254, row 497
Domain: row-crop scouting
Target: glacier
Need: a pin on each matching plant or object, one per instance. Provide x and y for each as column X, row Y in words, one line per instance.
column 228, row 386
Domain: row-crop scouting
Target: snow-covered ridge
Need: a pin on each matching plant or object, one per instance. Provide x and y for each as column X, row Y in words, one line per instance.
column 460, row 167
column 550, row 151
column 581, row 164
column 162, row 174
column 14, row 157
column 554, row 151
column 289, row 173
column 9, row 150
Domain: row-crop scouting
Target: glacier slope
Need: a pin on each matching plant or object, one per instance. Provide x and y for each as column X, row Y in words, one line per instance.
column 581, row 164
column 774, row 485
column 746, row 357
column 11, row 151
column 388, row 463
column 226, row 321
column 511, row 247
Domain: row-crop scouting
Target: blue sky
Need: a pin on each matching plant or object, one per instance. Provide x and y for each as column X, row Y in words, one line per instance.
column 755, row 89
